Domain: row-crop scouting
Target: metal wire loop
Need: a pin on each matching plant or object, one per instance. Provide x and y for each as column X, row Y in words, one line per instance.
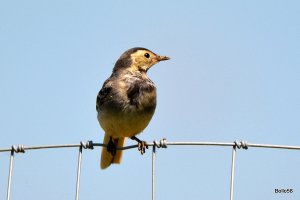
column 87, row 144
column 161, row 144
column 18, row 148
column 241, row 144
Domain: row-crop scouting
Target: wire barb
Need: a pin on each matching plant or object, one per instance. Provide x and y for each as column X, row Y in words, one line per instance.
column 18, row 148
column 87, row 144
column 241, row 144
column 161, row 144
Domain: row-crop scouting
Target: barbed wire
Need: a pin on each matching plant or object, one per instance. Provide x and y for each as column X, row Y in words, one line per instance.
column 155, row 144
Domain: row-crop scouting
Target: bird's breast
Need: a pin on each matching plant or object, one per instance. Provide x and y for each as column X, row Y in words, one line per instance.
column 130, row 109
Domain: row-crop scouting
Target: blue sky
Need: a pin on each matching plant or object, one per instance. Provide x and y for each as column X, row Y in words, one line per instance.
column 234, row 75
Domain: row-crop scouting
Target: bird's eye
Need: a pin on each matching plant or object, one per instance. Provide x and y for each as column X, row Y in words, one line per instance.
column 147, row 55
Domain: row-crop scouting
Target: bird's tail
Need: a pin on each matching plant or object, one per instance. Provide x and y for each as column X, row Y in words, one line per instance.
column 106, row 157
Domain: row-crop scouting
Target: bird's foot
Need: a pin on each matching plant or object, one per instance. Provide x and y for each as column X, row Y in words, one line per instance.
column 142, row 145
column 111, row 147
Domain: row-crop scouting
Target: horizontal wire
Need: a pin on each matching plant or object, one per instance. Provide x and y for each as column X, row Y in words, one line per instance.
column 274, row 146
column 154, row 144
column 202, row 143
column 44, row 147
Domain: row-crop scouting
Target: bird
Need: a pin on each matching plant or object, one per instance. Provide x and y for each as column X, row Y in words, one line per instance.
column 126, row 102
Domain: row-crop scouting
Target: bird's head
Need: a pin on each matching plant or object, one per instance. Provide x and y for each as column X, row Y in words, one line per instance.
column 138, row 60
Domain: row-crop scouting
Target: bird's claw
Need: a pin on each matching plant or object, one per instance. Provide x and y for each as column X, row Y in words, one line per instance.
column 111, row 147
column 142, row 146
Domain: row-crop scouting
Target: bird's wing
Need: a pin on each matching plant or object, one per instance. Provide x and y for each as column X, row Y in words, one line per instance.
column 103, row 94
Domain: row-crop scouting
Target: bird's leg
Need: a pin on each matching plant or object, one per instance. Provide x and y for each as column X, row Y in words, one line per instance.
column 111, row 147
column 142, row 145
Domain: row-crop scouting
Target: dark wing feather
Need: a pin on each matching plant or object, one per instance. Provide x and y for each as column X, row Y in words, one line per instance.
column 103, row 94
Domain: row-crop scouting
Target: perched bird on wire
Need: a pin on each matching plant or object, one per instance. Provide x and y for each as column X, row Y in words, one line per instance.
column 126, row 102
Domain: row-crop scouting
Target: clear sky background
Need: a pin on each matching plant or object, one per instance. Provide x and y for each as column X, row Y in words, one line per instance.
column 234, row 75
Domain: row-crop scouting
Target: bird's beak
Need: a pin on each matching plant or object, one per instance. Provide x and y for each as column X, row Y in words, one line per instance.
column 162, row 58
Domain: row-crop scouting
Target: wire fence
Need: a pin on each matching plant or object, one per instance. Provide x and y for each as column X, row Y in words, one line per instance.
column 155, row 144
